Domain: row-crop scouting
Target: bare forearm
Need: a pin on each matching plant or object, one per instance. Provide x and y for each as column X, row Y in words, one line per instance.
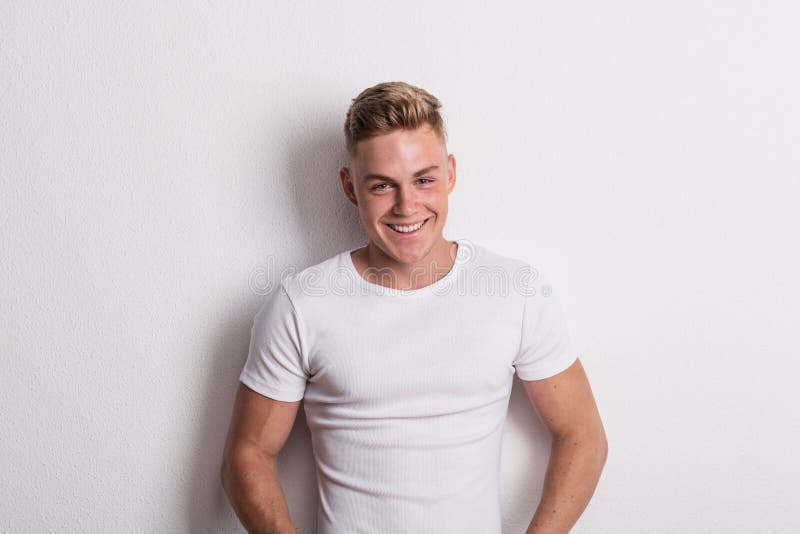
column 252, row 486
column 571, row 478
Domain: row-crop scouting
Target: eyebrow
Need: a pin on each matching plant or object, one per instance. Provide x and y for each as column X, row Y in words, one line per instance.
column 420, row 172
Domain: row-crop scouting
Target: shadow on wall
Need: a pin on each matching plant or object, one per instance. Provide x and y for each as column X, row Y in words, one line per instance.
column 523, row 468
column 322, row 218
column 325, row 220
column 207, row 508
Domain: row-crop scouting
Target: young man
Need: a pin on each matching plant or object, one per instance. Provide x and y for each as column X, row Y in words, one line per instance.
column 403, row 352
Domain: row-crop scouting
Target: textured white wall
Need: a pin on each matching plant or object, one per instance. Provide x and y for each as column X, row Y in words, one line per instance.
column 161, row 162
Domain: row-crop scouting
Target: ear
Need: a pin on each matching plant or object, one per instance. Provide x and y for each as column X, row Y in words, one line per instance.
column 451, row 173
column 347, row 185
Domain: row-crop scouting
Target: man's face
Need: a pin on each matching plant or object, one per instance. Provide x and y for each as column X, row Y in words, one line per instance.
column 402, row 178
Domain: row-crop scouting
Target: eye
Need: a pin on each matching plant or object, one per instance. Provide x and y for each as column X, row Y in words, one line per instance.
column 379, row 187
column 427, row 179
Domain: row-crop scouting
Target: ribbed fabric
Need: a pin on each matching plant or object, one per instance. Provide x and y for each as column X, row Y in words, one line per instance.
column 406, row 392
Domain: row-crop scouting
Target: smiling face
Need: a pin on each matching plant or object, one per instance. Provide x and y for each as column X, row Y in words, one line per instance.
column 402, row 178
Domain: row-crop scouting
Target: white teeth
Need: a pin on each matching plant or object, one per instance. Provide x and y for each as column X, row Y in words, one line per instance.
column 406, row 229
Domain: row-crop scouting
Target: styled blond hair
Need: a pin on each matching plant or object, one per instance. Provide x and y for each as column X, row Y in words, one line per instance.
column 390, row 106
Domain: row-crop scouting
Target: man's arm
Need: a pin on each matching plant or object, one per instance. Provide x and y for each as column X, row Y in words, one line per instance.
column 258, row 430
column 578, row 452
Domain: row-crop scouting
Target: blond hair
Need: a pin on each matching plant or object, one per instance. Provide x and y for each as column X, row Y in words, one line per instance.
column 390, row 106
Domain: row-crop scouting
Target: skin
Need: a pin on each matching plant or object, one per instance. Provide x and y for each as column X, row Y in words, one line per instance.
column 258, row 431
column 405, row 195
column 564, row 402
column 578, row 450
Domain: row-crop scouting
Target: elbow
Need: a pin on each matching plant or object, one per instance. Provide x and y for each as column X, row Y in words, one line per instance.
column 225, row 473
column 230, row 466
column 595, row 450
column 590, row 441
column 599, row 443
column 603, row 446
column 238, row 462
column 603, row 441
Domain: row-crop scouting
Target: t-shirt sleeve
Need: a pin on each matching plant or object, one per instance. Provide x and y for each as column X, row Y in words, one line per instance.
column 546, row 347
column 274, row 366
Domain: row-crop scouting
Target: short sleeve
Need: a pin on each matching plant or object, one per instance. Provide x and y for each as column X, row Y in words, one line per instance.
column 274, row 366
column 546, row 346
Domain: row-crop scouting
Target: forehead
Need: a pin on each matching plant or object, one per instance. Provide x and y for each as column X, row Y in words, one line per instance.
column 399, row 150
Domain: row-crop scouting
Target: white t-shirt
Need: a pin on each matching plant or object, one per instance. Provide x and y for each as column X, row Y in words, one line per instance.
column 406, row 391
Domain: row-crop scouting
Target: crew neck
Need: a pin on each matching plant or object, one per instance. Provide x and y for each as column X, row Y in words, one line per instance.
column 462, row 256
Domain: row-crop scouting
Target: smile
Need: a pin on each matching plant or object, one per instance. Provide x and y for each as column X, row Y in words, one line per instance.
column 410, row 229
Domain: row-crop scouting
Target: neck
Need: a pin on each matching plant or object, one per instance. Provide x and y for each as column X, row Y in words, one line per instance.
column 377, row 267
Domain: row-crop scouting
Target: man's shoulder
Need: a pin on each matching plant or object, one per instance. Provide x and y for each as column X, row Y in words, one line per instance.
column 313, row 272
column 321, row 278
column 508, row 269
column 485, row 258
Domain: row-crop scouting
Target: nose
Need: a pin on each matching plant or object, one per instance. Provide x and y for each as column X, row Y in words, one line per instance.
column 405, row 202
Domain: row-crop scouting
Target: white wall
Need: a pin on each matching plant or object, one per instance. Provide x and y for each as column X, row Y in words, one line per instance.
column 157, row 157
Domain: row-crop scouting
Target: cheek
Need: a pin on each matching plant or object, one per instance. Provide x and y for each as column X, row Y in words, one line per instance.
column 374, row 207
column 435, row 198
